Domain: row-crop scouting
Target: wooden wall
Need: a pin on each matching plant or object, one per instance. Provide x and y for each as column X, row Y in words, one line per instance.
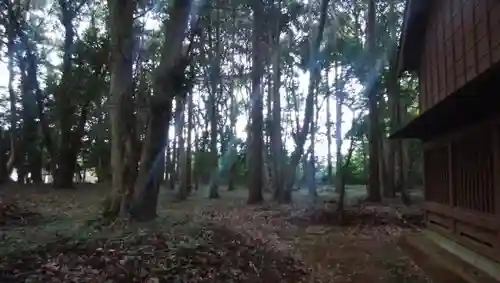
column 462, row 187
column 462, row 40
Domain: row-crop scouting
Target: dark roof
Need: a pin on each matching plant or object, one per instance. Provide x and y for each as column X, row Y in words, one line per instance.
column 465, row 107
column 412, row 35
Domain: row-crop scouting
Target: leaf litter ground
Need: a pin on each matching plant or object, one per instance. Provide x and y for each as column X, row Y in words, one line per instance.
column 200, row 240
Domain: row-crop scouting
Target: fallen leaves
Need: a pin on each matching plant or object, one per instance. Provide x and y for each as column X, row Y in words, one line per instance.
column 13, row 214
column 362, row 215
column 363, row 250
column 209, row 254
column 203, row 240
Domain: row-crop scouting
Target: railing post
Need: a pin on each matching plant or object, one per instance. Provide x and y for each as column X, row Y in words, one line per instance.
column 424, row 177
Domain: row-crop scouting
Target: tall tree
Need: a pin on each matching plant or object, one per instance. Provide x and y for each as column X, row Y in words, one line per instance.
column 329, row 166
column 71, row 130
column 30, row 159
column 121, row 21
column 256, row 145
column 137, row 196
column 276, row 138
column 372, row 92
column 181, row 147
column 188, row 172
column 339, row 101
column 169, row 79
column 314, row 74
column 215, row 90
column 394, row 163
column 11, row 24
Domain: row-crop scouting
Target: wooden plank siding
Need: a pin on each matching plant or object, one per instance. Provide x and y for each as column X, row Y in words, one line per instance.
column 462, row 187
column 461, row 161
column 462, row 40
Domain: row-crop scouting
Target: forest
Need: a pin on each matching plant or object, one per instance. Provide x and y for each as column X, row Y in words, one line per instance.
column 160, row 141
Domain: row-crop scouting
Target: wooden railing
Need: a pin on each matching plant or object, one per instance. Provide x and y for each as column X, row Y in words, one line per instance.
column 473, row 172
column 436, row 164
column 462, row 188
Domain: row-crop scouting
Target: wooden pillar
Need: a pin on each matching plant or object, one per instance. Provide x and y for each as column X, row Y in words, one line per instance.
column 424, row 176
column 496, row 177
column 451, row 192
column 496, row 168
column 451, row 188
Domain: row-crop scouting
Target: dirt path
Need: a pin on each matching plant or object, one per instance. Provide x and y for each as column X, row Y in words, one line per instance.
column 359, row 253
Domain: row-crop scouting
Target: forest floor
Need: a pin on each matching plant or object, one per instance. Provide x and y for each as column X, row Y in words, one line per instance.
column 52, row 236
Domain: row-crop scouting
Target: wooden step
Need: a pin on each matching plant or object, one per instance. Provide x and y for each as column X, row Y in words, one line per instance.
column 441, row 265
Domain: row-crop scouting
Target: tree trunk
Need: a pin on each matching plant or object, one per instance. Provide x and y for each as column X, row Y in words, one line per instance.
column 121, row 19
column 374, row 137
column 312, row 163
column 68, row 163
column 189, row 171
column 269, row 105
column 65, row 170
column 63, row 177
column 4, row 176
column 150, row 171
column 196, row 171
column 233, row 114
column 214, row 187
column 102, row 171
column 386, row 177
column 255, row 146
column 339, row 99
column 32, row 156
column 341, row 173
column 329, row 166
column 233, row 111
column 168, row 150
column 32, row 73
column 383, row 148
column 364, row 147
column 231, row 186
column 314, row 73
column 178, row 153
column 388, row 149
column 173, row 161
column 70, row 140
column 182, row 166
column 150, row 167
column 276, row 139
column 393, row 97
column 403, row 152
column 11, row 47
column 215, row 91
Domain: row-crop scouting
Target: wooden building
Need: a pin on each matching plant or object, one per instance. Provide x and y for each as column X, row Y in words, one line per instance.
column 454, row 48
